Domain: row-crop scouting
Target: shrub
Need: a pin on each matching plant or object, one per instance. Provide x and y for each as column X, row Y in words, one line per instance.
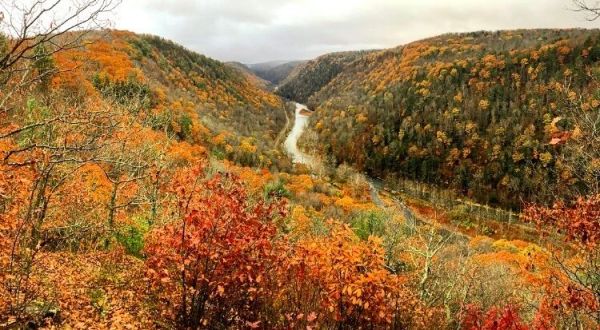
column 211, row 268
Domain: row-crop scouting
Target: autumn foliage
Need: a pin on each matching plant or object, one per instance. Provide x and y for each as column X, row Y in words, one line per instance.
column 141, row 187
column 213, row 266
column 579, row 222
column 494, row 319
column 343, row 283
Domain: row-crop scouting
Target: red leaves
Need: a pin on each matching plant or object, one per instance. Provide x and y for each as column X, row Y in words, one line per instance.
column 494, row 319
column 218, row 258
column 580, row 222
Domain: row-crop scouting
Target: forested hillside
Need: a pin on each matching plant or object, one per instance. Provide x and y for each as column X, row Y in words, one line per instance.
column 142, row 186
column 193, row 97
column 275, row 72
column 489, row 114
column 258, row 81
column 310, row 77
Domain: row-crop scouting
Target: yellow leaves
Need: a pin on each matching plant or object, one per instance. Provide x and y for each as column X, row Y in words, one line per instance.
column 546, row 158
column 424, row 92
column 351, row 273
column 255, row 179
column 247, row 146
column 358, row 292
column 516, row 78
column 577, row 133
column 443, row 138
column 113, row 59
column 470, row 127
column 300, row 221
column 458, row 97
column 376, row 139
column 95, row 182
column 485, row 74
column 300, row 183
column 361, row 118
column 586, row 106
column 517, row 156
column 484, row 104
column 564, row 50
column 524, row 62
column 185, row 153
column 414, row 151
column 347, row 203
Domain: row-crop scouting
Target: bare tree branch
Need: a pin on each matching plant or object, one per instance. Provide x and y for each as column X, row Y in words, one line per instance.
column 592, row 10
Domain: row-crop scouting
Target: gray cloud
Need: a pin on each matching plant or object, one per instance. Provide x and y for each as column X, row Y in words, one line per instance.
column 259, row 30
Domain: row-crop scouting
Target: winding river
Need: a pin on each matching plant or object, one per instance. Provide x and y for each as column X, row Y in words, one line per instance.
column 291, row 142
column 299, row 157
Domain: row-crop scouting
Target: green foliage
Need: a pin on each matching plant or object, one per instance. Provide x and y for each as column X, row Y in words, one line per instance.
column 276, row 189
column 461, row 216
column 99, row 301
column 131, row 237
column 44, row 65
column 369, row 223
column 315, row 74
column 275, row 72
column 129, row 92
column 3, row 44
column 227, row 100
column 142, row 47
column 185, row 123
column 467, row 112
column 188, row 61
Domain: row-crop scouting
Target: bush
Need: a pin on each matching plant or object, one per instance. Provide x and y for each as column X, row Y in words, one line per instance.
column 131, row 237
column 276, row 189
column 460, row 215
column 212, row 268
column 370, row 223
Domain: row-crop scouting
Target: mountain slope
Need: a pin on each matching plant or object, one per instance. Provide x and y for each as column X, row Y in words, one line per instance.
column 250, row 75
column 275, row 72
column 316, row 74
column 474, row 112
column 192, row 96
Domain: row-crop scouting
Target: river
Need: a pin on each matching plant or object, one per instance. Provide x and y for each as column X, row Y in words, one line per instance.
column 291, row 142
column 376, row 186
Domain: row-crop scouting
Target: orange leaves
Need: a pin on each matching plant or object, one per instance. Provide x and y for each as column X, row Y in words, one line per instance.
column 346, row 279
column 72, row 75
column 112, row 58
column 184, row 153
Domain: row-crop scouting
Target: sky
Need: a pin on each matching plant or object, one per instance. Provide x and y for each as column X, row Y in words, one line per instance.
column 253, row 31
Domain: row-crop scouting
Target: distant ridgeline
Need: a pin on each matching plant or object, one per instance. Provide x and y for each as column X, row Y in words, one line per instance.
column 484, row 113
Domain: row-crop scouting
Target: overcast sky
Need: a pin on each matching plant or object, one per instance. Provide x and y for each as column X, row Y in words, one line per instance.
column 252, row 31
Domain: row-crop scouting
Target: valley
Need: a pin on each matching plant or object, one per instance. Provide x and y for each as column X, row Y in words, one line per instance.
column 451, row 182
